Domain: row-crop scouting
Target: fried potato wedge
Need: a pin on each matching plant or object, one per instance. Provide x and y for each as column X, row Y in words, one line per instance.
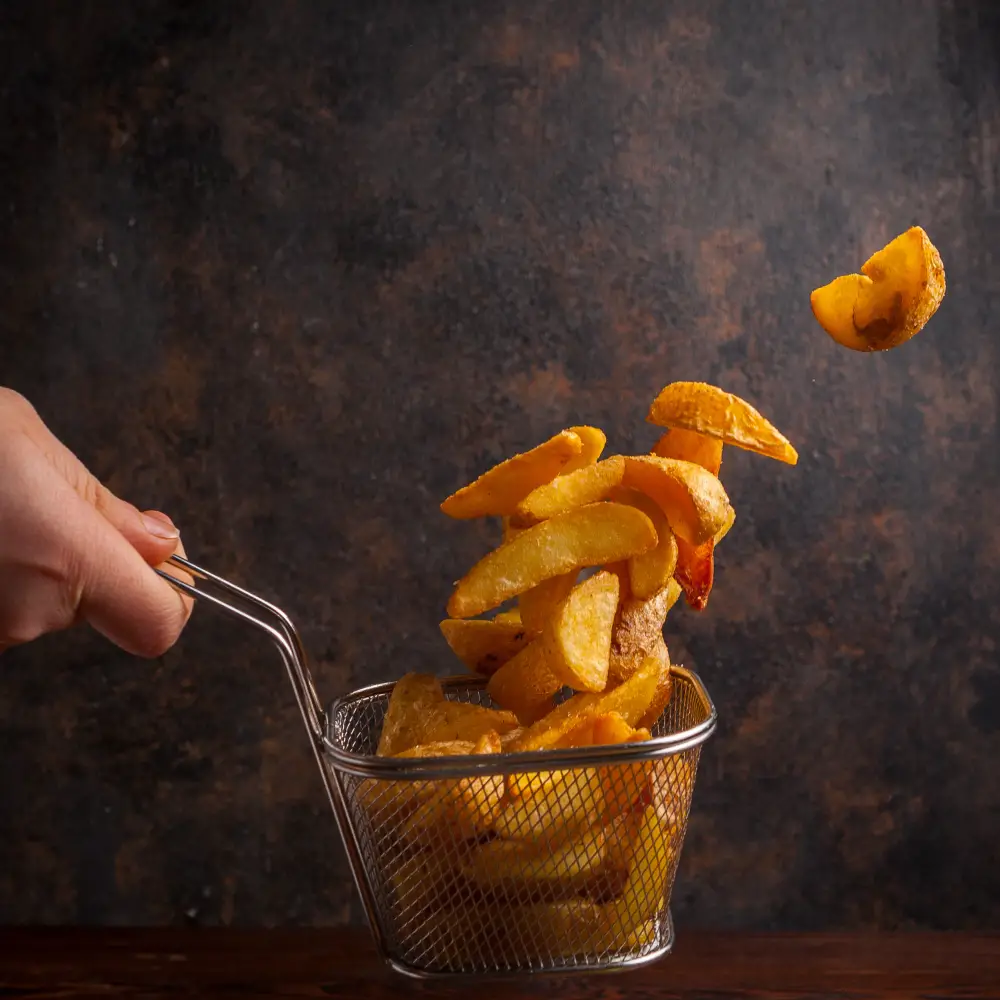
column 525, row 684
column 512, row 617
column 418, row 714
column 630, row 699
column 694, row 500
column 463, row 808
column 572, row 489
column 413, row 696
column 649, row 873
column 695, row 569
column 537, row 605
column 661, row 698
column 484, row 646
column 592, row 442
column 572, row 650
column 456, row 720
column 587, row 536
column 510, row 864
column 649, row 572
column 499, row 490
column 564, row 808
column 707, row 409
column 690, row 446
column 638, row 633
column 577, row 640
column 898, row 290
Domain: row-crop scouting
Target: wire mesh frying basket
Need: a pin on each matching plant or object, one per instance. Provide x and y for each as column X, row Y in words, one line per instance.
column 552, row 861
column 497, row 864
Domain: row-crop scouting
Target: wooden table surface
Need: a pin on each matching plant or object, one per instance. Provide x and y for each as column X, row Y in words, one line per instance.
column 49, row 963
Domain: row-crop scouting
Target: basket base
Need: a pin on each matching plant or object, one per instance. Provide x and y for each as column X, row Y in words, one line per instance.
column 665, row 935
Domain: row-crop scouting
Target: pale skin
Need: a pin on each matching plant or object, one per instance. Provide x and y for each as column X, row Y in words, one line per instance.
column 71, row 551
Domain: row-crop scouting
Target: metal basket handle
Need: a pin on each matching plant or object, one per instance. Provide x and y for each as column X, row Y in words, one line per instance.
column 282, row 633
column 250, row 608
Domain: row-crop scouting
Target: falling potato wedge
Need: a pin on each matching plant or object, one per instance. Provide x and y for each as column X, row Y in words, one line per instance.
column 537, row 605
column 631, row 700
column 525, row 685
column 898, row 290
column 695, row 570
column 663, row 694
column 592, row 442
column 573, row 489
column 572, row 650
column 499, row 490
column 690, row 446
column 483, row 645
column 707, row 409
column 694, row 500
column 638, row 632
column 649, row 572
column 588, row 536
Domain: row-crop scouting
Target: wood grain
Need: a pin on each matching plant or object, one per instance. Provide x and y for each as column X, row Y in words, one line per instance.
column 65, row 963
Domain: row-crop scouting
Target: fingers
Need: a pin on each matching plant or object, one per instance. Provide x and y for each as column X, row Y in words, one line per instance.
column 151, row 534
column 121, row 596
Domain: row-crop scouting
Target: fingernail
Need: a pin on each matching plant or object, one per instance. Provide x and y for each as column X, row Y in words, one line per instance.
column 160, row 526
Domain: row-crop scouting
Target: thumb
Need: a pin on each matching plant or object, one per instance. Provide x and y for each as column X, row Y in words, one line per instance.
column 152, row 534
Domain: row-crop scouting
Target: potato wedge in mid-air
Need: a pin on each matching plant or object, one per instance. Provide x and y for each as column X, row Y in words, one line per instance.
column 630, row 699
column 573, row 489
column 572, row 650
column 661, row 698
column 499, row 490
column 638, row 632
column 898, row 290
column 587, row 536
column 707, row 409
column 694, row 500
column 650, row 572
column 695, row 569
column 484, row 646
column 537, row 605
column 690, row 446
column 592, row 442
column 525, row 685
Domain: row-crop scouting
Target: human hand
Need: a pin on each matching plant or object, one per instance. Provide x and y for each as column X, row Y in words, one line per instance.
column 70, row 550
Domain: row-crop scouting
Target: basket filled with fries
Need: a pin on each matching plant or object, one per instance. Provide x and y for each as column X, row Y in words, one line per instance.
column 529, row 815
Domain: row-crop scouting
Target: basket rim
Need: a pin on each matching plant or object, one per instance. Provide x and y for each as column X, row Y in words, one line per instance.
column 424, row 768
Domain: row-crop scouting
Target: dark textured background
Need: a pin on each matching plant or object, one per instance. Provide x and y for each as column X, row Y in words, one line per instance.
column 292, row 271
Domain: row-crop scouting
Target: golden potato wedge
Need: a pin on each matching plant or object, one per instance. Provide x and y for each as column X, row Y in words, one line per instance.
column 587, row 536
column 638, row 632
column 630, row 699
column 649, row 874
column 690, row 446
column 499, row 490
column 624, row 785
column 707, row 409
column 577, row 640
column 458, row 808
column 484, row 646
column 573, row 489
column 525, row 684
column 695, row 569
column 512, row 617
column 898, row 290
column 564, row 808
column 664, row 691
column 592, row 442
column 512, row 864
column 651, row 571
column 456, row 720
column 413, row 696
column 694, row 501
column 537, row 605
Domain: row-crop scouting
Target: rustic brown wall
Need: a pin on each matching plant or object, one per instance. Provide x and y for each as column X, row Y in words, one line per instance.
column 293, row 271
